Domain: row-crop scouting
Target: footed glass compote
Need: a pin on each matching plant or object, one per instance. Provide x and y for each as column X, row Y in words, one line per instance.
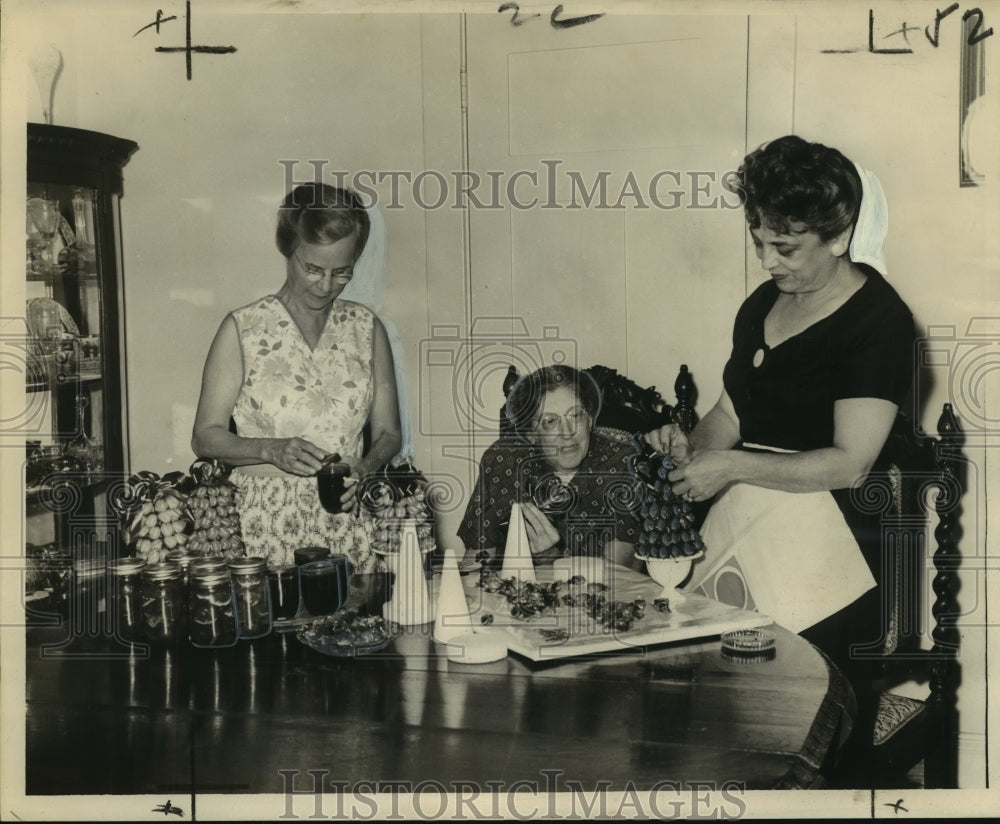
column 670, row 573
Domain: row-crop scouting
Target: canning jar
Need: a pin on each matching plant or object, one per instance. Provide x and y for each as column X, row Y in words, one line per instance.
column 125, row 583
column 253, row 598
column 211, row 609
column 284, row 585
column 183, row 559
column 87, row 596
column 161, row 602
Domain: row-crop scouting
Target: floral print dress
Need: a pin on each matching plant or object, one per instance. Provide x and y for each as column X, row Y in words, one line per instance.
column 323, row 395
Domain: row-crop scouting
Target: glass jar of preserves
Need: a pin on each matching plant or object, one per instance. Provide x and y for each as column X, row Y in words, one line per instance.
column 162, row 612
column 212, row 610
column 88, row 596
column 284, row 584
column 183, row 559
column 125, row 585
column 253, row 597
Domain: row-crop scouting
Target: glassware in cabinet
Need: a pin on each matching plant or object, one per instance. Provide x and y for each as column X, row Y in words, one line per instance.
column 75, row 358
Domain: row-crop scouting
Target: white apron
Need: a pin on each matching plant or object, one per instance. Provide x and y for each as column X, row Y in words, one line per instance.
column 788, row 555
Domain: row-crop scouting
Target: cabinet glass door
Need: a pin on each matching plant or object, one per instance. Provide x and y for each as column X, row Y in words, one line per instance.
column 75, row 373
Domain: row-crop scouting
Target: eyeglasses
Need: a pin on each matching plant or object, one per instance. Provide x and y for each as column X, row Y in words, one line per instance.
column 343, row 273
column 576, row 417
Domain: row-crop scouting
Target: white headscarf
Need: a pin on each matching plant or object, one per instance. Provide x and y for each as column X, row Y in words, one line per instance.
column 368, row 287
column 872, row 225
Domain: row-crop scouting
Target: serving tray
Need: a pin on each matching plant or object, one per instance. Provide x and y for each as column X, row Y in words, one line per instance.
column 568, row 632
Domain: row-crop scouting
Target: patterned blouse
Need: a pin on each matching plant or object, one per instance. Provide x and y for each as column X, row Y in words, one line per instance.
column 594, row 507
column 322, row 394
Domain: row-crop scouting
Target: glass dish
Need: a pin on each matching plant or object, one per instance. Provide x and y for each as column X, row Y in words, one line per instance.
column 347, row 635
column 747, row 640
column 346, row 649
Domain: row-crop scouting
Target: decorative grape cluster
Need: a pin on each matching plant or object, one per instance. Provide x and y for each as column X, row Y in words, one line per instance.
column 667, row 521
column 395, row 495
column 156, row 520
column 196, row 513
column 391, row 514
column 212, row 504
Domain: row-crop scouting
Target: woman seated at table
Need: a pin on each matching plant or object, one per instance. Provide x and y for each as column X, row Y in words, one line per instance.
column 566, row 475
column 302, row 372
column 822, row 359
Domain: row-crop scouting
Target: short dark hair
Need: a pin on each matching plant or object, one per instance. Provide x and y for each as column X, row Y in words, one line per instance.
column 320, row 213
column 526, row 398
column 790, row 180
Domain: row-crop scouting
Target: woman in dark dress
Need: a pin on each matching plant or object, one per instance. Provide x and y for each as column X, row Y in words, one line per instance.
column 822, row 359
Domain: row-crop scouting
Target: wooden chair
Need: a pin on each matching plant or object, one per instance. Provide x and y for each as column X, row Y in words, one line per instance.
column 626, row 407
column 906, row 731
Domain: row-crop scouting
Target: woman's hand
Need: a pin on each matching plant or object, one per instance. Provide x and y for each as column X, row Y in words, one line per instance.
column 349, row 500
column 671, row 440
column 296, row 456
column 542, row 535
column 703, row 474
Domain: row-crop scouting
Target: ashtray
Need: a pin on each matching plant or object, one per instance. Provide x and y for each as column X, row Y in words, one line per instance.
column 747, row 640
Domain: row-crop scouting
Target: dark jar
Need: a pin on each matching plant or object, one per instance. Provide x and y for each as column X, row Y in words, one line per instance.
column 88, row 597
column 331, row 486
column 283, row 582
column 162, row 608
column 125, row 585
column 212, row 609
column 253, row 599
column 325, row 584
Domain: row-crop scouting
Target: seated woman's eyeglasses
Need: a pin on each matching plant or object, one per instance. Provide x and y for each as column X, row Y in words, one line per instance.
column 576, row 417
column 318, row 272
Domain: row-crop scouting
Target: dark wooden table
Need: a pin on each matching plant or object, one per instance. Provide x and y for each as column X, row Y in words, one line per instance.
column 249, row 719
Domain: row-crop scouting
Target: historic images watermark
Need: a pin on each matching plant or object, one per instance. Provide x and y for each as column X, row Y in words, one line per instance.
column 551, row 185
column 967, row 365
column 311, row 795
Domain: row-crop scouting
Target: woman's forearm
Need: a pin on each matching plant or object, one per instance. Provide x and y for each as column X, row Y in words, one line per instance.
column 861, row 426
column 383, row 449
column 816, row 470
column 221, row 444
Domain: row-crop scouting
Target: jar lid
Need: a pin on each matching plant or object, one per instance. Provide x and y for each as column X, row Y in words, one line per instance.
column 310, row 553
column 209, row 562
column 335, row 469
column 333, row 465
column 211, row 576
column 89, row 566
column 183, row 557
column 163, row 571
column 126, row 566
column 243, row 566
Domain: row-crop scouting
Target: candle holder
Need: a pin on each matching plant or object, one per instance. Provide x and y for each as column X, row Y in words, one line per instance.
column 670, row 574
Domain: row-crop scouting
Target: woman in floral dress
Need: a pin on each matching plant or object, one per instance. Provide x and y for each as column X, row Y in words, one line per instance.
column 301, row 373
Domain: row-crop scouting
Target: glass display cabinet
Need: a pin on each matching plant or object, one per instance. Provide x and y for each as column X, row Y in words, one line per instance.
column 75, row 375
